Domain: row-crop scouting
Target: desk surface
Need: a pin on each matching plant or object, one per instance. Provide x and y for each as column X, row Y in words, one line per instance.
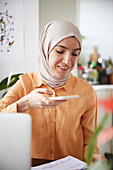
column 103, row 87
column 36, row 162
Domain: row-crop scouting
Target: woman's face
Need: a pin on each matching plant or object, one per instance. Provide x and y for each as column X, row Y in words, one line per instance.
column 63, row 57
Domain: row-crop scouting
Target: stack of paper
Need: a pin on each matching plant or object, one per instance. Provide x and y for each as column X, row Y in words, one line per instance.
column 68, row 163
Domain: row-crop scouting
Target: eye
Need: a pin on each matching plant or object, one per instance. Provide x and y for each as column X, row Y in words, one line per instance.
column 74, row 54
column 60, row 51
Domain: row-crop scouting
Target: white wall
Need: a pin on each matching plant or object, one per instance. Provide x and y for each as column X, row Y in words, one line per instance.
column 56, row 10
column 31, row 38
column 96, row 24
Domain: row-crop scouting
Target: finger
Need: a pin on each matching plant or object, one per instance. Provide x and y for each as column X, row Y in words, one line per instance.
column 43, row 91
column 58, row 101
column 61, row 101
column 54, row 102
column 50, row 103
column 98, row 157
column 45, row 106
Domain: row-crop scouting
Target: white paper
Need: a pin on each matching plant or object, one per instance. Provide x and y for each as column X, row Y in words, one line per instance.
column 68, row 163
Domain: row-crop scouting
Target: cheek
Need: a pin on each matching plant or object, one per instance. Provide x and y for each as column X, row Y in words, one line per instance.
column 52, row 61
column 74, row 60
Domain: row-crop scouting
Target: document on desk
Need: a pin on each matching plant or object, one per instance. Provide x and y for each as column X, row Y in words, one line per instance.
column 67, row 163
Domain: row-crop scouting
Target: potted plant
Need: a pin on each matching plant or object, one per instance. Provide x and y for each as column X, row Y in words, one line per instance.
column 8, row 82
column 103, row 136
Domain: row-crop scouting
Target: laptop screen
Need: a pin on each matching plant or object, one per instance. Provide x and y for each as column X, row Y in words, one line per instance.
column 15, row 141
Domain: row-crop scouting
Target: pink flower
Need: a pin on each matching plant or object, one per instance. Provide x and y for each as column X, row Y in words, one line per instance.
column 106, row 134
column 107, row 104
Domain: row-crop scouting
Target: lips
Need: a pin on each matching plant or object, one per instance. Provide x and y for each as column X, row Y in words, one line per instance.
column 64, row 67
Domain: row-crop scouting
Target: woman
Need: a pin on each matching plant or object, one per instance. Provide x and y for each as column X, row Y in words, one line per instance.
column 59, row 128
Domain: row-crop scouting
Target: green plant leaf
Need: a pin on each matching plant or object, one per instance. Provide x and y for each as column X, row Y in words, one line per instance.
column 82, row 36
column 3, row 83
column 4, row 94
column 14, row 77
column 93, row 140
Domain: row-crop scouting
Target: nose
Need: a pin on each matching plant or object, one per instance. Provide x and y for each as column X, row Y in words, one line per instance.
column 67, row 59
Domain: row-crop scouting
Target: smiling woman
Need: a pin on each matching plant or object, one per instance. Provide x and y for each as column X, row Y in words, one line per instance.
column 59, row 127
column 52, row 35
column 63, row 57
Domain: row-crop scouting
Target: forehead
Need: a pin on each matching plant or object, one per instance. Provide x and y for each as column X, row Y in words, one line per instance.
column 70, row 42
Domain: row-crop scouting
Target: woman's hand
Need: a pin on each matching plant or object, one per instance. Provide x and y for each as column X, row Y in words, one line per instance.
column 37, row 99
column 97, row 157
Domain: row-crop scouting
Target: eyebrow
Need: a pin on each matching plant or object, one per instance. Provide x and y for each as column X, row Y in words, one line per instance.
column 67, row 48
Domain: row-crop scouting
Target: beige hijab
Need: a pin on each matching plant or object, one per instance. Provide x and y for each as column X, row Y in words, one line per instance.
column 51, row 35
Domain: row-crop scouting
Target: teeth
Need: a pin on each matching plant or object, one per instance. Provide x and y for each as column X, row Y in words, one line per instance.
column 64, row 68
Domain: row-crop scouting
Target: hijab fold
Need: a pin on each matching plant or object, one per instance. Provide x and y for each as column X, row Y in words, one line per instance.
column 52, row 34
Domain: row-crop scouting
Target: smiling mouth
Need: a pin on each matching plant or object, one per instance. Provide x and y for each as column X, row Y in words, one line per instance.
column 63, row 68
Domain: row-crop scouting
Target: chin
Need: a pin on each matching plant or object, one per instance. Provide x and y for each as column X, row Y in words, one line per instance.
column 61, row 76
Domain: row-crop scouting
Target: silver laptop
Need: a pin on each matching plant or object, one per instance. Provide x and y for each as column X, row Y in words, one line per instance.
column 15, row 141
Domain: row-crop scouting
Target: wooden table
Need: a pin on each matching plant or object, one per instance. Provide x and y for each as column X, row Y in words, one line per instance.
column 36, row 162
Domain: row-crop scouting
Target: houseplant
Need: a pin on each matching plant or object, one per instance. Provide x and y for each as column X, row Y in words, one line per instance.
column 103, row 136
column 8, row 82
